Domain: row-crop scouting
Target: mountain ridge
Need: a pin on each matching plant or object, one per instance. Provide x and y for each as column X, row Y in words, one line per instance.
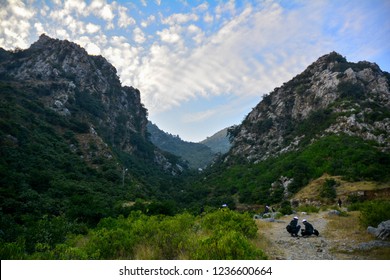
column 329, row 87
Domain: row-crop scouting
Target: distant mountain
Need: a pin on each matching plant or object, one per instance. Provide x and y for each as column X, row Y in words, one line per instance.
column 333, row 118
column 195, row 154
column 219, row 142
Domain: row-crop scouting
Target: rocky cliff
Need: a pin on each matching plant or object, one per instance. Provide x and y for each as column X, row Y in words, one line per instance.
column 85, row 91
column 331, row 96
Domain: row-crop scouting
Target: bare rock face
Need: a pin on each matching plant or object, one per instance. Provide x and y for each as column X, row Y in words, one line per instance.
column 336, row 95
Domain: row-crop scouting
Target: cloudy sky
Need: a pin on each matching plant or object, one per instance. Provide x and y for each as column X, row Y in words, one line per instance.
column 202, row 65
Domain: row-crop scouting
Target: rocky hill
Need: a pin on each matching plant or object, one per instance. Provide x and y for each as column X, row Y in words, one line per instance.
column 331, row 96
column 85, row 91
column 333, row 118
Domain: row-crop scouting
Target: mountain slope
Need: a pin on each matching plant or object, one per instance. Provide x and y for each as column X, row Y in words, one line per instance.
column 73, row 146
column 218, row 142
column 332, row 118
column 197, row 155
column 331, row 96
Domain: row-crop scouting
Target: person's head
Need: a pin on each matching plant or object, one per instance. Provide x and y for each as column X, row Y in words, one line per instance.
column 304, row 221
column 295, row 218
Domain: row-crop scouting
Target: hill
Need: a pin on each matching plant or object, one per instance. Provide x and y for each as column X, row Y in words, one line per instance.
column 332, row 118
column 196, row 155
column 73, row 146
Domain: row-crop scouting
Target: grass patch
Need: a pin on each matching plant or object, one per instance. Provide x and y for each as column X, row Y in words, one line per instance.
column 349, row 230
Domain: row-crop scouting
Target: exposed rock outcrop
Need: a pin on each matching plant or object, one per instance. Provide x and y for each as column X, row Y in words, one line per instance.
column 84, row 89
column 332, row 94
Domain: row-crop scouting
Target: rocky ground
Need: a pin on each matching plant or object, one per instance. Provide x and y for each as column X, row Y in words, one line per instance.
column 328, row 245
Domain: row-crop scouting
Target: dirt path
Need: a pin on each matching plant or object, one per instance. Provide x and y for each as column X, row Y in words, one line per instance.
column 282, row 246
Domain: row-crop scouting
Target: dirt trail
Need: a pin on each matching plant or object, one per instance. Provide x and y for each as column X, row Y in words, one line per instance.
column 278, row 243
column 283, row 246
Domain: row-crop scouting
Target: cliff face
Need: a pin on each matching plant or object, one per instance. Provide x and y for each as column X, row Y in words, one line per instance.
column 331, row 96
column 84, row 90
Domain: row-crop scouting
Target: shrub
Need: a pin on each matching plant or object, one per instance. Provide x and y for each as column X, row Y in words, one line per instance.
column 285, row 208
column 374, row 212
column 308, row 209
column 227, row 245
column 328, row 189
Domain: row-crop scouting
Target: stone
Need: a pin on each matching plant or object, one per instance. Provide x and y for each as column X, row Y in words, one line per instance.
column 334, row 212
column 382, row 231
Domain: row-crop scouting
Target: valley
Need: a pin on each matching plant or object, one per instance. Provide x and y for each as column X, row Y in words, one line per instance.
column 85, row 175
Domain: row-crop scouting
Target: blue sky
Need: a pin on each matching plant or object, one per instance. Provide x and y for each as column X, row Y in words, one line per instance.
column 203, row 65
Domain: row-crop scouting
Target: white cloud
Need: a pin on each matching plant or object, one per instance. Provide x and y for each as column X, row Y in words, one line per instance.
column 244, row 58
column 208, row 18
column 202, row 7
column 139, row 36
column 251, row 49
column 179, row 19
column 75, row 5
column 158, row 2
column 92, row 28
column 124, row 20
column 15, row 26
column 149, row 20
column 169, row 36
column 88, row 44
column 39, row 28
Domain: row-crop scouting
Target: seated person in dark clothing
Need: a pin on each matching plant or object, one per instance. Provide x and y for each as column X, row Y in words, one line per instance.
column 293, row 228
column 308, row 230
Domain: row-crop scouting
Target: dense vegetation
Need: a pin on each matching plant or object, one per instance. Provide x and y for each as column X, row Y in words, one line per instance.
column 343, row 155
column 373, row 212
column 54, row 176
column 195, row 154
column 221, row 234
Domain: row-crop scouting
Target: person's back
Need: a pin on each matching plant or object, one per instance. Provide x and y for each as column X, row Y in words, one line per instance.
column 293, row 228
column 309, row 229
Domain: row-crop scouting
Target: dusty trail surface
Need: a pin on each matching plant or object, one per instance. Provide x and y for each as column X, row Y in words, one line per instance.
column 278, row 243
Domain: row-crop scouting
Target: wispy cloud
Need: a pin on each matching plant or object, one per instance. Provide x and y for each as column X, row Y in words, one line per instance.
column 227, row 48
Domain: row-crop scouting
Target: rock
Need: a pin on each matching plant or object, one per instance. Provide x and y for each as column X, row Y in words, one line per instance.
column 264, row 132
column 334, row 212
column 372, row 244
column 382, row 232
column 372, row 230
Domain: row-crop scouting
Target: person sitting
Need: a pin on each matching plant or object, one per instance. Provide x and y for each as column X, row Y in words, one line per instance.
column 293, row 228
column 308, row 230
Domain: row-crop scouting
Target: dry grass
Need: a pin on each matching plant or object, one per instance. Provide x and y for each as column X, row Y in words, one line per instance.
column 263, row 241
column 311, row 192
column 347, row 228
column 347, row 232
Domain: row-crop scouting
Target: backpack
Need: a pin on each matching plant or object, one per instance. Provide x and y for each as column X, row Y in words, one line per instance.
column 288, row 228
column 315, row 232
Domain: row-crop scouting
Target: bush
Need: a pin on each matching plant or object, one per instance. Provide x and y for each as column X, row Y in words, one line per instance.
column 227, row 245
column 308, row 209
column 328, row 189
column 285, row 208
column 374, row 212
column 223, row 234
column 227, row 220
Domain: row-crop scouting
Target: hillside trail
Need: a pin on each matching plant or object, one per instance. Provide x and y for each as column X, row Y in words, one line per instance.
column 280, row 245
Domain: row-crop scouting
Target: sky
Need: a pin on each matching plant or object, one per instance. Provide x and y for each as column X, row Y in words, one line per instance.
column 203, row 65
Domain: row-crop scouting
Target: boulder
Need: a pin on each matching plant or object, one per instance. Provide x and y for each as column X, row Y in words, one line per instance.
column 382, row 231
